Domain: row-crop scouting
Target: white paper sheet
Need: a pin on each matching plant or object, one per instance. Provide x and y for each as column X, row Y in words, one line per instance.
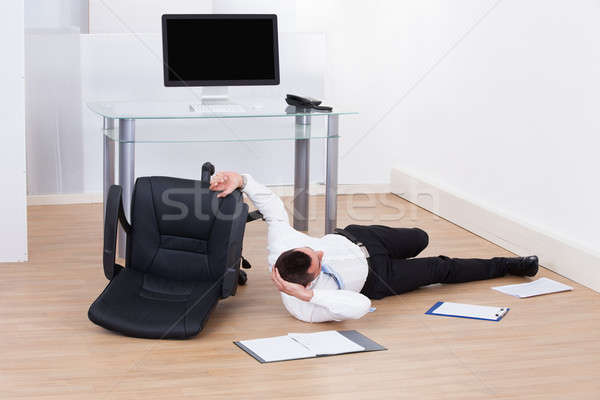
column 327, row 342
column 535, row 288
column 278, row 348
column 470, row 311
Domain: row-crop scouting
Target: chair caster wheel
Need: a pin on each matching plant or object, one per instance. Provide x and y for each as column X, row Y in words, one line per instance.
column 242, row 278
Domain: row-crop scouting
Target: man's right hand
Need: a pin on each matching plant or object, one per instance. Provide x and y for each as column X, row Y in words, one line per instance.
column 290, row 288
column 225, row 182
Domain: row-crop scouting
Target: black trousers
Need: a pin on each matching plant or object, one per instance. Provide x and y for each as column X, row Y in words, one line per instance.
column 394, row 271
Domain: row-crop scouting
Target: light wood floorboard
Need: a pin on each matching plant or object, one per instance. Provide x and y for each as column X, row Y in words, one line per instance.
column 545, row 348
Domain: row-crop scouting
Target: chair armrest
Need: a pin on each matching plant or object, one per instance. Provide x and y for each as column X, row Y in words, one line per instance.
column 254, row 215
column 115, row 213
column 207, row 171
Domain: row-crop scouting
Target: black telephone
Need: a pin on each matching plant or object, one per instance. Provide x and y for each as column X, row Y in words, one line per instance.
column 306, row 102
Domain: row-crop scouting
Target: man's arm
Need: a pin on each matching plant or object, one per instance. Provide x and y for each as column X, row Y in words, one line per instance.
column 267, row 202
column 328, row 305
column 281, row 236
column 316, row 305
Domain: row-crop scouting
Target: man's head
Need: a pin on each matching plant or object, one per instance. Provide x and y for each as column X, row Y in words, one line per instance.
column 301, row 265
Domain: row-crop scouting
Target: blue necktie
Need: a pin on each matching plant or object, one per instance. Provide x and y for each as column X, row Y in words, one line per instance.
column 327, row 270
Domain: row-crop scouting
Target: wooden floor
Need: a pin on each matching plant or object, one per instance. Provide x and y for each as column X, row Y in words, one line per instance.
column 545, row 348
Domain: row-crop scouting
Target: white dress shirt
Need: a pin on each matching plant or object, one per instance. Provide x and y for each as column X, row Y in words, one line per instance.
column 346, row 258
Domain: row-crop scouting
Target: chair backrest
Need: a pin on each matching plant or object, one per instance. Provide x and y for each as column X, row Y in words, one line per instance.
column 182, row 231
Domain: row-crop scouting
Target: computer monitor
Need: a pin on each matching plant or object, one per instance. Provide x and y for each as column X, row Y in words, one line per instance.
column 220, row 49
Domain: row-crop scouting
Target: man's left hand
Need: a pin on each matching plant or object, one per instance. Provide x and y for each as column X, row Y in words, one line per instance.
column 225, row 182
column 290, row 288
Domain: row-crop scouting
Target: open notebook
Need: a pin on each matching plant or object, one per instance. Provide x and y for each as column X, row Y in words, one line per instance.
column 294, row 346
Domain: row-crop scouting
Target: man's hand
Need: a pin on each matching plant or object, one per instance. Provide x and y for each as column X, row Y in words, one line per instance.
column 293, row 289
column 225, row 182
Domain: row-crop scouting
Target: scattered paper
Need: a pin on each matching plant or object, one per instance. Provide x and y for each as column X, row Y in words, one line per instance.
column 535, row 288
column 326, row 342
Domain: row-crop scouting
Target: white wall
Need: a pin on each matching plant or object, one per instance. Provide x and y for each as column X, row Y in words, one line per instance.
column 504, row 110
column 143, row 16
column 139, row 16
column 494, row 99
column 13, row 230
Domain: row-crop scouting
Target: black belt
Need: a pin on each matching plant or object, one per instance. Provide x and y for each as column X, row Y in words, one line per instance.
column 354, row 240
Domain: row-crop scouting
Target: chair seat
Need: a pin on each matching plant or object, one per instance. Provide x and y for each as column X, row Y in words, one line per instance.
column 145, row 305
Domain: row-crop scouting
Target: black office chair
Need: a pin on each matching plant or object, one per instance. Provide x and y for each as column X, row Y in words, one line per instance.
column 183, row 254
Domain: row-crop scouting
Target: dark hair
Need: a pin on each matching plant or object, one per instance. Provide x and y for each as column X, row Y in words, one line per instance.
column 293, row 266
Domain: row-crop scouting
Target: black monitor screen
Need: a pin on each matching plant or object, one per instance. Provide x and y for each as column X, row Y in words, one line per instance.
column 220, row 50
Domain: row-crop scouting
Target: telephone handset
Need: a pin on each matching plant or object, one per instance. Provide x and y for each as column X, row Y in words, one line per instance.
column 306, row 102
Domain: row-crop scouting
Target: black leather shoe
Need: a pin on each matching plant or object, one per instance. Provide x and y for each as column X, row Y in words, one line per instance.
column 522, row 266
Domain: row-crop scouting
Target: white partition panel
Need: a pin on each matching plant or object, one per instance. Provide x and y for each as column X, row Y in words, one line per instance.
column 13, row 212
column 53, row 111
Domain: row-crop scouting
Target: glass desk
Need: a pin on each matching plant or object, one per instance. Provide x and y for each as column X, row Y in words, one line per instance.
column 124, row 134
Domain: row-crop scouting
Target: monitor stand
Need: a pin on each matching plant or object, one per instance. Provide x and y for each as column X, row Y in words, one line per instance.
column 215, row 94
column 215, row 99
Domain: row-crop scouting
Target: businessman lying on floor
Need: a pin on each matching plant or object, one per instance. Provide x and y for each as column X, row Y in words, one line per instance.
column 335, row 276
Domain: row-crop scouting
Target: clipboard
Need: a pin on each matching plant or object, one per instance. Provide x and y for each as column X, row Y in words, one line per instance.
column 351, row 335
column 469, row 311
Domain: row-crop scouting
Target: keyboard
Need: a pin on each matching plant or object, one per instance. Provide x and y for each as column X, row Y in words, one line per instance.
column 217, row 108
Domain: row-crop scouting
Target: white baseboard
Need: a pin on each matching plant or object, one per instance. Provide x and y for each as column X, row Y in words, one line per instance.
column 282, row 190
column 319, row 189
column 23, row 258
column 67, row 198
column 558, row 254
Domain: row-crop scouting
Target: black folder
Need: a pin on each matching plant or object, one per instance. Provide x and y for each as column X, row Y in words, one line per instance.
column 352, row 335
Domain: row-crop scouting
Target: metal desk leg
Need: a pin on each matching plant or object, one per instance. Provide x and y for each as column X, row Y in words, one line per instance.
column 126, row 170
column 301, row 173
column 108, row 164
column 331, row 179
